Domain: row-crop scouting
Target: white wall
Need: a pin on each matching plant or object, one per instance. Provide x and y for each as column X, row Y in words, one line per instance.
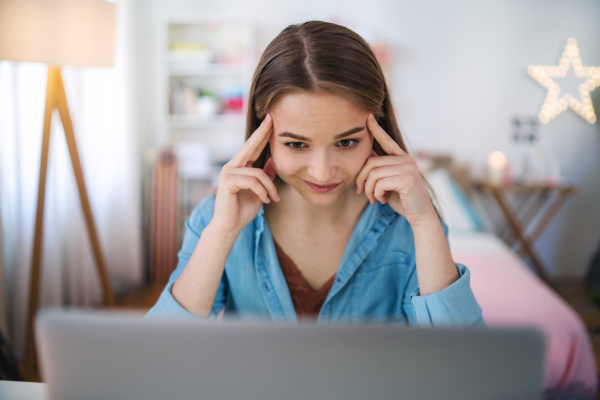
column 458, row 78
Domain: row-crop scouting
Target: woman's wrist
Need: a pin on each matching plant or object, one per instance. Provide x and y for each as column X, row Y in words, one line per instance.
column 435, row 266
column 196, row 287
column 428, row 222
column 226, row 235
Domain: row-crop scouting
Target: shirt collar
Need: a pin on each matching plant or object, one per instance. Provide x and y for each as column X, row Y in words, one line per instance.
column 373, row 222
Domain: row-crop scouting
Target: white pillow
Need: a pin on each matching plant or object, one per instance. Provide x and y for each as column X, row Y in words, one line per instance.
column 458, row 213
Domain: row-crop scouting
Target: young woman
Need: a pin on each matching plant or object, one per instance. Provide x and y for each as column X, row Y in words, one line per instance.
column 322, row 213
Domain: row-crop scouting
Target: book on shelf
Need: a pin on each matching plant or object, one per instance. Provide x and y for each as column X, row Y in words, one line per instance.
column 165, row 210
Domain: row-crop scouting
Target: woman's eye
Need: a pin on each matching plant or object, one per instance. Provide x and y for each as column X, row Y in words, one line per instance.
column 295, row 145
column 346, row 143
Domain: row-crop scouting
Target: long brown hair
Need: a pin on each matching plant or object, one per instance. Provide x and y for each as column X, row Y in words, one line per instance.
column 319, row 56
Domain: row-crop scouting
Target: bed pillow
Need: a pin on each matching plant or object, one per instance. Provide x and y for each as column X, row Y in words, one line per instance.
column 457, row 211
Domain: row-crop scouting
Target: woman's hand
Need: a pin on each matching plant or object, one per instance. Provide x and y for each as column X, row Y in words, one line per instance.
column 243, row 189
column 394, row 179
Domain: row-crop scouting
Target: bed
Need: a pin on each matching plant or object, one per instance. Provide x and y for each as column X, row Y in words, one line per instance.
column 511, row 295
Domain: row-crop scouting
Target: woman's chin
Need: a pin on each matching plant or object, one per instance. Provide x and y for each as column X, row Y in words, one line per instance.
column 321, row 200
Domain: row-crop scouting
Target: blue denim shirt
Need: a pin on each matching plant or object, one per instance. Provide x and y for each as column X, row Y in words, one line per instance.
column 376, row 280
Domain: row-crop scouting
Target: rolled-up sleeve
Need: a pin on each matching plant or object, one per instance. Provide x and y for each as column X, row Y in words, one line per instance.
column 166, row 305
column 455, row 305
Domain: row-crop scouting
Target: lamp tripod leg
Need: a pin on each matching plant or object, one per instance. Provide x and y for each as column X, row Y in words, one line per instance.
column 34, row 280
column 56, row 98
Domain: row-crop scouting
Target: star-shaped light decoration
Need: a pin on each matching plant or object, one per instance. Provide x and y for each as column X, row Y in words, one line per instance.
column 556, row 102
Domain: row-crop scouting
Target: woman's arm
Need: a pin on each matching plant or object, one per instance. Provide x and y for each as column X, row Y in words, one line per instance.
column 197, row 286
column 438, row 292
column 241, row 193
column 395, row 179
column 435, row 267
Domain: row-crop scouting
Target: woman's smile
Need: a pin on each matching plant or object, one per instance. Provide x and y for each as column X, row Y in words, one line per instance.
column 322, row 188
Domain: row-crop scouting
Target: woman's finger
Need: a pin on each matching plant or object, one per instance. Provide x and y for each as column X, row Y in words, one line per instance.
column 376, row 175
column 254, row 145
column 376, row 162
column 259, row 149
column 359, row 176
column 246, row 182
column 385, row 186
column 262, row 177
column 385, row 141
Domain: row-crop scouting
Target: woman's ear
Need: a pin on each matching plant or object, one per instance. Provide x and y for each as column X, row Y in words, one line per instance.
column 270, row 169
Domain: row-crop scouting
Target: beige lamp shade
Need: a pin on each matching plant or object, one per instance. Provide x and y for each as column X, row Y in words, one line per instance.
column 58, row 32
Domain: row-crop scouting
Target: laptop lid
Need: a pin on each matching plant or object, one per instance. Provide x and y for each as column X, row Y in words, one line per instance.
column 115, row 355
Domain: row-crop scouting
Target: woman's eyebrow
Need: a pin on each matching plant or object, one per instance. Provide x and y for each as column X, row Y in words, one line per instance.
column 340, row 136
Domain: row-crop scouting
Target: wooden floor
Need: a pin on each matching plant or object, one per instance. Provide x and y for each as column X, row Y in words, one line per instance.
column 141, row 299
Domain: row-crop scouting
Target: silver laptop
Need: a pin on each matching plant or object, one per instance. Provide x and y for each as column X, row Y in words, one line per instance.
column 108, row 355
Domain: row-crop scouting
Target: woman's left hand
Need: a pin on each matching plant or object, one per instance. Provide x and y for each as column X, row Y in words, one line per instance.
column 394, row 179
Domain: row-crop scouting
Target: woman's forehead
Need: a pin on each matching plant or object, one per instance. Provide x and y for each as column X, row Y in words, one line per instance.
column 316, row 114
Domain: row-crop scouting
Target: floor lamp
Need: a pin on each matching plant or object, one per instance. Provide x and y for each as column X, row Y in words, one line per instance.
column 57, row 33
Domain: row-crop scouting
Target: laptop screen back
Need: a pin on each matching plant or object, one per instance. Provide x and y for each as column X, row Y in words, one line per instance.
column 102, row 355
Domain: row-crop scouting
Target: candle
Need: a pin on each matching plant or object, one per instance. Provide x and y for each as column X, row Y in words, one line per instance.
column 497, row 165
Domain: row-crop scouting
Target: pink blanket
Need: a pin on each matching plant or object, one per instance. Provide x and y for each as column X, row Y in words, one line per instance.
column 511, row 295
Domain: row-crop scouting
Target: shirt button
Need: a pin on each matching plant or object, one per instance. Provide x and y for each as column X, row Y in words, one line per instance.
column 266, row 286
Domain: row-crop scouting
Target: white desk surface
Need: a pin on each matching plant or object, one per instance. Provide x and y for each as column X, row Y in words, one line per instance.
column 11, row 390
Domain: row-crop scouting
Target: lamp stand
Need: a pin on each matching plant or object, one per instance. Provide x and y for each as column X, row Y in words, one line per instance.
column 56, row 98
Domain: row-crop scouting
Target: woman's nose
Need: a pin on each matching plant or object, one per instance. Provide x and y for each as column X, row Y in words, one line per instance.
column 322, row 167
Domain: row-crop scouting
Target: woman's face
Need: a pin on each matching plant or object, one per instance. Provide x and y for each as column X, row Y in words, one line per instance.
column 320, row 142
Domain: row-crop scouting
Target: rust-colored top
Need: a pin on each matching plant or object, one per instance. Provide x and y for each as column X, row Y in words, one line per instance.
column 307, row 301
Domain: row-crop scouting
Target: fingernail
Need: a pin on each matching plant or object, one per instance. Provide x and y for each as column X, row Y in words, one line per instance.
column 277, row 198
column 371, row 117
column 267, row 118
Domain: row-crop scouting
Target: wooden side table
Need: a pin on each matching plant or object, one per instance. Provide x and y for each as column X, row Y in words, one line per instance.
column 538, row 197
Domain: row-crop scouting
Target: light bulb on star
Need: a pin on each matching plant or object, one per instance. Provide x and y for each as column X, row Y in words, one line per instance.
column 555, row 102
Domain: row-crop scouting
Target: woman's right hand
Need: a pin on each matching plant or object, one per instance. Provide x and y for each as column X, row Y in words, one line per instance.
column 243, row 189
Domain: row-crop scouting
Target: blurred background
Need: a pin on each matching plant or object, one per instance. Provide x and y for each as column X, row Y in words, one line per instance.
column 153, row 130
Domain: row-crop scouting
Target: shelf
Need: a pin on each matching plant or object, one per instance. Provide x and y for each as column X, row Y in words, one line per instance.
column 190, row 121
column 207, row 65
column 199, row 68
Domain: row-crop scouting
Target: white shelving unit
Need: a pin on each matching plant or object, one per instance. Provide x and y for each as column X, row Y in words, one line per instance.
column 205, row 66
column 207, row 61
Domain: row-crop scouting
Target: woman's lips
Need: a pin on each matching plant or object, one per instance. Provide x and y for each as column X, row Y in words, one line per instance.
column 321, row 188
